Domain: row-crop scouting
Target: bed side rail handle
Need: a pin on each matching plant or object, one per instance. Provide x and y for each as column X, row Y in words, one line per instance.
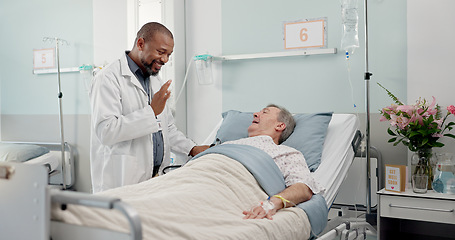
column 84, row 199
column 356, row 141
column 90, row 200
column 133, row 219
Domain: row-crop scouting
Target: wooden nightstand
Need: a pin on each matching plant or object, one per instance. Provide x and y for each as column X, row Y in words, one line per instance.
column 409, row 215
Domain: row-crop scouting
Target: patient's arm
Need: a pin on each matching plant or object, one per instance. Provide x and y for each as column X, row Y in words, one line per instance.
column 295, row 194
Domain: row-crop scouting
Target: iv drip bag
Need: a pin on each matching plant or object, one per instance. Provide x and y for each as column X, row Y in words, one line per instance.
column 350, row 25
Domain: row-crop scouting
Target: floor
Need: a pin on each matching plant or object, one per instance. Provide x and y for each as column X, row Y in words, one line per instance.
column 338, row 216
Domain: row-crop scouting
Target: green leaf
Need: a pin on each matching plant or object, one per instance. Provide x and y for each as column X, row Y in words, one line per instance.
column 449, row 135
column 390, row 132
column 392, row 139
column 398, row 142
column 425, row 141
column 413, row 134
column 423, row 132
column 438, row 144
column 395, row 99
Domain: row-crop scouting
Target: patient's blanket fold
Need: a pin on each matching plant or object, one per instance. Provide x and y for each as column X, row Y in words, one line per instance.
column 259, row 163
column 270, row 178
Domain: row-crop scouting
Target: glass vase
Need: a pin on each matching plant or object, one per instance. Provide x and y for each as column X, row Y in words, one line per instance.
column 423, row 162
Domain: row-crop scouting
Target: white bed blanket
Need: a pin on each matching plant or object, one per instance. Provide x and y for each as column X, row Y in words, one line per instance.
column 202, row 200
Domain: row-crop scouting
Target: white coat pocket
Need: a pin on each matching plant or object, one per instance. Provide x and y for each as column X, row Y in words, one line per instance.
column 126, row 170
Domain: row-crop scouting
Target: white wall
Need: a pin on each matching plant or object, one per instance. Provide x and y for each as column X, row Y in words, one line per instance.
column 203, row 36
column 174, row 19
column 431, row 54
column 110, row 33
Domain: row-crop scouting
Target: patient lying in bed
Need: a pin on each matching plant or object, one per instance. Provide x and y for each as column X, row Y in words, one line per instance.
column 270, row 127
column 205, row 198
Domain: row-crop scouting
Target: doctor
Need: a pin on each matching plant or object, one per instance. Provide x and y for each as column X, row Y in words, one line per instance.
column 133, row 130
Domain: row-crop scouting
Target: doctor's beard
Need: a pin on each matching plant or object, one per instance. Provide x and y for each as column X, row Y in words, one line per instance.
column 149, row 67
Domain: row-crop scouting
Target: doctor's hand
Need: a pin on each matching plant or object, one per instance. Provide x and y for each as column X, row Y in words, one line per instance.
column 198, row 149
column 160, row 98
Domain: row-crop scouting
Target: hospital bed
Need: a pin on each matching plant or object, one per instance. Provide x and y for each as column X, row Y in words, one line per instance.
column 202, row 200
column 42, row 153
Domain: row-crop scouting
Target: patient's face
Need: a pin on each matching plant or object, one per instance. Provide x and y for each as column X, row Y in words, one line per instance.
column 264, row 122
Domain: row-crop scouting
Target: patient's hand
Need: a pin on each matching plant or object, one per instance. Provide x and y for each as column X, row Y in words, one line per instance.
column 198, row 149
column 259, row 212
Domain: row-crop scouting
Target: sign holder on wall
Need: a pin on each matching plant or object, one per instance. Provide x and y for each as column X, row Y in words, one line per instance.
column 304, row 34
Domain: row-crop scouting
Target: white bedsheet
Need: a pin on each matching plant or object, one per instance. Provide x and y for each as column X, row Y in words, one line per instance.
column 203, row 200
column 337, row 154
column 49, row 158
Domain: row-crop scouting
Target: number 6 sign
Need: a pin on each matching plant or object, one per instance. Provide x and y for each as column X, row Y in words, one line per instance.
column 305, row 34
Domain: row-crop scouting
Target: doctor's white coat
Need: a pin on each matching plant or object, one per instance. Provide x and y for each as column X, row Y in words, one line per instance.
column 121, row 150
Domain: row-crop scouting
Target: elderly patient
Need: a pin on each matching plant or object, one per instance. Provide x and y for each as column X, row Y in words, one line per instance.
column 270, row 127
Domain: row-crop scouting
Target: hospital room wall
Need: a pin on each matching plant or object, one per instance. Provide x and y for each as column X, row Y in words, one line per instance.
column 29, row 102
column 431, row 55
column 318, row 82
column 302, row 84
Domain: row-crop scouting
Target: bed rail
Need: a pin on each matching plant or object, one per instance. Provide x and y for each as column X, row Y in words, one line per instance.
column 66, row 168
column 357, row 141
column 89, row 200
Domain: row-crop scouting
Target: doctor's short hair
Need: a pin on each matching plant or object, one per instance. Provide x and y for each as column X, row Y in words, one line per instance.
column 285, row 117
column 149, row 30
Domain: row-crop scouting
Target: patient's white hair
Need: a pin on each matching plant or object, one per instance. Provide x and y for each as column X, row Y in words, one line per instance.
column 285, row 117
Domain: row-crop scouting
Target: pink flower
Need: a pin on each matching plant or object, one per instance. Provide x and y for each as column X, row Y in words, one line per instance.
column 383, row 119
column 390, row 109
column 408, row 109
column 451, row 109
column 402, row 122
column 433, row 103
column 439, row 122
column 393, row 120
column 417, row 117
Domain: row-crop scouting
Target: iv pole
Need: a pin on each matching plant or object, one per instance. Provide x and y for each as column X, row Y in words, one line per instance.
column 367, row 131
column 60, row 96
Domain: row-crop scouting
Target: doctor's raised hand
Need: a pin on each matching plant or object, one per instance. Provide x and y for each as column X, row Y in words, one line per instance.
column 160, row 98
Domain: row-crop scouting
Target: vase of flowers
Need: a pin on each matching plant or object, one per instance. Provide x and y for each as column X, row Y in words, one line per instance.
column 419, row 127
column 423, row 162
